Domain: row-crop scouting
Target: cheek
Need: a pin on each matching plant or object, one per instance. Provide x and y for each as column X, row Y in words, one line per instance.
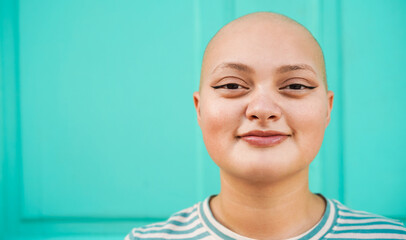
column 220, row 114
column 212, row 117
column 308, row 121
column 220, row 120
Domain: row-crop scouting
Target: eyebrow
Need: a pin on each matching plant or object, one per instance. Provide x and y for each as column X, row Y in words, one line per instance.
column 289, row 68
column 236, row 66
column 282, row 69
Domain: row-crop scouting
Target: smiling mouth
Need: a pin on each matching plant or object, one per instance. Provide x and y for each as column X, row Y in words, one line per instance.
column 264, row 138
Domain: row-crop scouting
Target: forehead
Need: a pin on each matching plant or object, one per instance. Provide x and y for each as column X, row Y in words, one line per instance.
column 264, row 46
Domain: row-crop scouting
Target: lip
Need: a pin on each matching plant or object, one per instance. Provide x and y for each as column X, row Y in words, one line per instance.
column 260, row 138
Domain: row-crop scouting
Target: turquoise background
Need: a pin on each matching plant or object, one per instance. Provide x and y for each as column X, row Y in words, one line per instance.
column 98, row 129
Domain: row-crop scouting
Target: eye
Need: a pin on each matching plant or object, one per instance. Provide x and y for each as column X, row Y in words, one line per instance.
column 230, row 86
column 297, row 86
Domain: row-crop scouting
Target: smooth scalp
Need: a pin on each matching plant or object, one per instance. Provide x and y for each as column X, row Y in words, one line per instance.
column 270, row 23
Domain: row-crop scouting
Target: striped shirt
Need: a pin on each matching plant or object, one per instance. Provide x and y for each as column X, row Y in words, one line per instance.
column 338, row 222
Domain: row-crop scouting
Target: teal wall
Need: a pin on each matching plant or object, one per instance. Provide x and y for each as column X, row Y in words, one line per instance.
column 98, row 131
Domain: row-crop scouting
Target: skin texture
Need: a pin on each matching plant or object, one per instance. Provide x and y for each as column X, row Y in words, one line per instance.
column 264, row 72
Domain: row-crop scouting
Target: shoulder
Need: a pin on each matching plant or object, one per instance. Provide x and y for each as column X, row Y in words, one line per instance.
column 184, row 224
column 353, row 224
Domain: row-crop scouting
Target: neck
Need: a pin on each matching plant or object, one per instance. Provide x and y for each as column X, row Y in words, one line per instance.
column 267, row 210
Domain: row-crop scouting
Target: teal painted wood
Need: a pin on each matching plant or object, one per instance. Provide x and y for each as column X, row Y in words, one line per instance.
column 80, row 122
column 332, row 177
column 105, row 102
column 69, row 139
column 2, row 129
column 10, row 129
column 374, row 53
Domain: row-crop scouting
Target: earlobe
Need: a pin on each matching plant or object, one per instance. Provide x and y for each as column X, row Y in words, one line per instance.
column 330, row 100
column 196, row 100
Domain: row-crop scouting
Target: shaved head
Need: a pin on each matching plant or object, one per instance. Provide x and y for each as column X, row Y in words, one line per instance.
column 263, row 72
column 275, row 30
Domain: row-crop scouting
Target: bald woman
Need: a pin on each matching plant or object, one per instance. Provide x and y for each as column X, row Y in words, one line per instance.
column 263, row 106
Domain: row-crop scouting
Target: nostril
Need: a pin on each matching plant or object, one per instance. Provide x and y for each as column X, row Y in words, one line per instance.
column 271, row 117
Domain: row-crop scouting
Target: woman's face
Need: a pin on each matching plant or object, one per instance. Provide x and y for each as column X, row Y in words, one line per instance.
column 263, row 105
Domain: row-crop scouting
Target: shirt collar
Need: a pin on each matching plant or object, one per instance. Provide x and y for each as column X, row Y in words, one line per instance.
column 221, row 232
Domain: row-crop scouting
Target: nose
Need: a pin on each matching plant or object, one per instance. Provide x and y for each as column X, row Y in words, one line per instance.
column 263, row 107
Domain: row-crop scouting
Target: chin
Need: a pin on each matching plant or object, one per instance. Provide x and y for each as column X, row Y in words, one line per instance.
column 264, row 170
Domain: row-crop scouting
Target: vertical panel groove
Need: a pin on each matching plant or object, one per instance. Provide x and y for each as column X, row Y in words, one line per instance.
column 2, row 126
column 229, row 13
column 332, row 150
column 341, row 102
column 198, row 142
column 11, row 115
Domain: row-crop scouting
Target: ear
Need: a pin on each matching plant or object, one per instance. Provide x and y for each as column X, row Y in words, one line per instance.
column 330, row 98
column 196, row 100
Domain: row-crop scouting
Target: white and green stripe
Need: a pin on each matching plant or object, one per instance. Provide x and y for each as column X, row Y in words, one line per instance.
column 338, row 222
